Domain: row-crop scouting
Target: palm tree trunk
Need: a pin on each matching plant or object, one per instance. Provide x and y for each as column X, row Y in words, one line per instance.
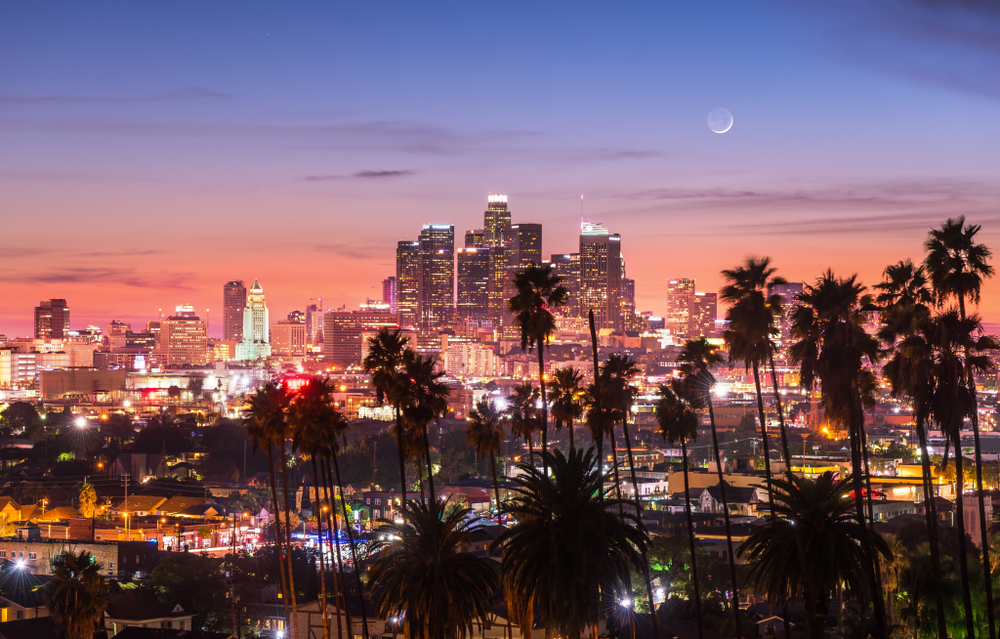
column 930, row 510
column 763, row 428
column 288, row 542
column 638, row 515
column 531, row 450
column 781, row 413
column 332, row 530
column 322, row 561
column 857, row 465
column 354, row 551
column 690, row 522
column 420, row 478
column 430, row 467
column 277, row 531
column 402, row 460
column 729, row 530
column 545, row 405
column 963, row 562
column 569, row 424
column 597, row 405
column 496, row 489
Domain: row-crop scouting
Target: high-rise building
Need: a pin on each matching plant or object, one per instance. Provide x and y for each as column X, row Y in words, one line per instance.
column 436, row 290
column 600, row 275
column 473, row 283
column 496, row 220
column 628, row 291
column 389, row 292
column 118, row 334
column 288, row 338
column 523, row 248
column 475, row 238
column 297, row 317
column 314, row 323
column 704, row 312
column 342, row 343
column 51, row 319
column 680, row 295
column 256, row 342
column 183, row 339
column 234, row 300
column 788, row 293
column 407, row 282
column 567, row 267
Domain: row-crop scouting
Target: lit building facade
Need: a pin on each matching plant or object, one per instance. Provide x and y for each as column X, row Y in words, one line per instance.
column 600, row 275
column 475, row 238
column 256, row 342
column 567, row 267
column 51, row 319
column 680, row 295
column 389, row 292
column 436, row 291
column 407, row 282
column 473, row 283
column 704, row 312
column 288, row 339
column 234, row 301
column 183, row 339
column 342, row 341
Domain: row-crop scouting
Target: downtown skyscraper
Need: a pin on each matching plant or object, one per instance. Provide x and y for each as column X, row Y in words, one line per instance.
column 234, row 300
column 436, row 292
column 51, row 319
column 600, row 275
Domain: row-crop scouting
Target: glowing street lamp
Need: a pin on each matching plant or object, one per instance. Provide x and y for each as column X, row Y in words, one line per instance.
column 80, row 422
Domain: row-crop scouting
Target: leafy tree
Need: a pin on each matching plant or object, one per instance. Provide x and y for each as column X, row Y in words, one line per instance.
column 195, row 385
column 22, row 418
column 88, row 500
column 196, row 583
column 158, row 438
column 75, row 594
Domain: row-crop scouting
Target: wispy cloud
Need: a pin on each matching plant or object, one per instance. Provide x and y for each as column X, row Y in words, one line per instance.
column 131, row 253
column 351, row 250
column 360, row 174
column 190, row 93
column 102, row 275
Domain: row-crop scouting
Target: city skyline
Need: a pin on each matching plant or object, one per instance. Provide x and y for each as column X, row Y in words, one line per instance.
column 839, row 156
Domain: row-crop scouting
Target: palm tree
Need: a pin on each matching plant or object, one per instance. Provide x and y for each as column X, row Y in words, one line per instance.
column 677, row 422
column 957, row 266
column 616, row 372
column 834, row 347
column 910, row 373
column 383, row 361
column 422, row 398
column 567, row 549
column 522, row 410
column 752, row 314
column 696, row 360
column 485, row 433
column 948, row 347
column 423, row 575
column 75, row 594
column 567, row 399
column 819, row 513
column 266, row 426
column 538, row 294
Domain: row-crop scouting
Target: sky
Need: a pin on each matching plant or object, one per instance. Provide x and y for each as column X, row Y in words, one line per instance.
column 152, row 151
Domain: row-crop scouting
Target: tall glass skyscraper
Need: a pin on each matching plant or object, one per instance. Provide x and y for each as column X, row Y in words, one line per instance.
column 234, row 300
column 600, row 275
column 437, row 275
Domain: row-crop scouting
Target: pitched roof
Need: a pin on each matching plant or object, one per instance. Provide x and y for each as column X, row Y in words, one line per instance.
column 734, row 494
column 134, row 606
column 135, row 632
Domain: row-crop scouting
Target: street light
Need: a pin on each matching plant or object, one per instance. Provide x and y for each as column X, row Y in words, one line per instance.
column 626, row 603
column 80, row 422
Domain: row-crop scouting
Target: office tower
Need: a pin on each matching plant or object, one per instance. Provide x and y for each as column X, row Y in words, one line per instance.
column 600, row 275
column 118, row 335
column 342, row 331
column 234, row 300
column 436, row 290
column 628, row 291
column 475, row 238
column 680, row 294
column 567, row 267
column 314, row 323
column 297, row 317
column 407, row 282
column 704, row 312
column 183, row 339
column 288, row 338
column 389, row 292
column 788, row 293
column 256, row 342
column 473, row 283
column 526, row 243
column 51, row 319
column 496, row 220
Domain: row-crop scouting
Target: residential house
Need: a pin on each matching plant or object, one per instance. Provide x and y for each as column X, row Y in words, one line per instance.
column 139, row 610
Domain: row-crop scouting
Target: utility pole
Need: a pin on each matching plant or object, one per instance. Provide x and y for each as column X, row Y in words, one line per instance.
column 125, row 481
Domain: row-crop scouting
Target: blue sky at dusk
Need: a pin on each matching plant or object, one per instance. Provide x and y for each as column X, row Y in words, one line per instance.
column 149, row 152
